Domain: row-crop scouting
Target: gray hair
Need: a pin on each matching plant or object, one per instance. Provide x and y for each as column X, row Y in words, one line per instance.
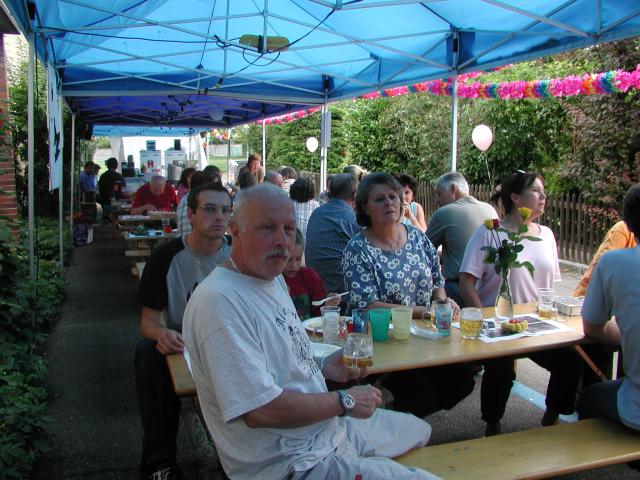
column 244, row 199
column 453, row 178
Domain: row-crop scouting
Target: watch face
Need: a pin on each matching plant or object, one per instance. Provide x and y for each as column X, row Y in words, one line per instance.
column 349, row 402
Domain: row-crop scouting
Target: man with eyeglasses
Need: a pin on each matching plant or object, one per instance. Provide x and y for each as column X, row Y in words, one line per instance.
column 171, row 275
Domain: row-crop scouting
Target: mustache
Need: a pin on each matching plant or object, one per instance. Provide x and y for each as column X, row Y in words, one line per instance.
column 278, row 252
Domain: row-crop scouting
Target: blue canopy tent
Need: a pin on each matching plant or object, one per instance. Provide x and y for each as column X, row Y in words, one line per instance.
column 197, row 63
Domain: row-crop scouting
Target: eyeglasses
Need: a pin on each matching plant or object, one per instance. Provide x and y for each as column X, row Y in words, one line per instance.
column 213, row 209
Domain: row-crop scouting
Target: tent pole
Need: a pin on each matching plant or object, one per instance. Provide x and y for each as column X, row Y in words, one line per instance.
column 71, row 171
column 61, row 192
column 323, row 147
column 264, row 145
column 229, row 156
column 30, row 160
column 454, row 124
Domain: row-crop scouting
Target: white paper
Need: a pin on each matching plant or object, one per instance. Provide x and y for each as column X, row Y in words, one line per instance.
column 531, row 331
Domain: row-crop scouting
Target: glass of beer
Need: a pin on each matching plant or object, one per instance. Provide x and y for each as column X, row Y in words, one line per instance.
column 546, row 307
column 471, row 322
column 358, row 351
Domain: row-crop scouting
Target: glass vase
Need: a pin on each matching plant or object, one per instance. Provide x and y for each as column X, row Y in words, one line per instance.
column 504, row 300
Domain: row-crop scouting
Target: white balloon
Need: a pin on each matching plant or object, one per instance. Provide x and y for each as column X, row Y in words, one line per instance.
column 312, row 144
column 482, row 137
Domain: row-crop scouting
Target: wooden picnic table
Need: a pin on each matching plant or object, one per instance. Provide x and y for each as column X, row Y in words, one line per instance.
column 156, row 235
column 419, row 352
column 137, row 219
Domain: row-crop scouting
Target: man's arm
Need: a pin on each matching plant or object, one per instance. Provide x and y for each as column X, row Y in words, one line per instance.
column 607, row 333
column 468, row 290
column 293, row 409
column 168, row 341
column 142, row 209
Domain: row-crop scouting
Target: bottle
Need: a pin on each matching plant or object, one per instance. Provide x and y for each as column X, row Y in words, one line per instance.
column 442, row 314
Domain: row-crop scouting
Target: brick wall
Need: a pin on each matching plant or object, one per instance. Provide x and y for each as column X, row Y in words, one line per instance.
column 8, row 205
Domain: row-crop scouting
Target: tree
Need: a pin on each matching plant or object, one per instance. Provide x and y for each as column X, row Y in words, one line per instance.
column 47, row 202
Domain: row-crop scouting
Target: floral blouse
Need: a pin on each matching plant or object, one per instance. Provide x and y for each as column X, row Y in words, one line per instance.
column 406, row 276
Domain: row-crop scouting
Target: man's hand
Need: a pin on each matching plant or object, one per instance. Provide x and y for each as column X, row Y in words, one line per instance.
column 334, row 369
column 169, row 341
column 367, row 398
column 149, row 207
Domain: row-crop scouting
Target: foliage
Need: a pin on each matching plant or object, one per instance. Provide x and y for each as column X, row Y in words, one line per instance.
column 504, row 255
column 27, row 308
column 605, row 159
column 47, row 202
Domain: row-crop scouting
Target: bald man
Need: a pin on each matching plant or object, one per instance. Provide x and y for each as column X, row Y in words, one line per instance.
column 268, row 408
column 155, row 195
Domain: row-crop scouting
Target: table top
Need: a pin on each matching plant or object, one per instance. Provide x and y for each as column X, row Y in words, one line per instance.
column 418, row 352
column 146, row 218
column 159, row 235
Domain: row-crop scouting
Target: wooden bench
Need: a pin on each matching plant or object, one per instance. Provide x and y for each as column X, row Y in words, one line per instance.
column 137, row 253
column 538, row 453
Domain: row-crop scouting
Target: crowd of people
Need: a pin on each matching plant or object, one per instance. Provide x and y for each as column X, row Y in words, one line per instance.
column 248, row 262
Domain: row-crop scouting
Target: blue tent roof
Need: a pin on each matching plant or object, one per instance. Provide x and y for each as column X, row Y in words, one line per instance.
column 210, row 58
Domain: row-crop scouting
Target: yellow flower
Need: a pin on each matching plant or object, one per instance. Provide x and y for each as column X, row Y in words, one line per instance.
column 488, row 223
column 525, row 213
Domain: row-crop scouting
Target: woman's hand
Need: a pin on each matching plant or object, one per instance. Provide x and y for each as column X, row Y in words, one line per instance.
column 334, row 301
column 455, row 308
column 406, row 210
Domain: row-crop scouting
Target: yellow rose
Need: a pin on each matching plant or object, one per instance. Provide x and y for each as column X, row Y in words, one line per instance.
column 525, row 213
column 488, row 223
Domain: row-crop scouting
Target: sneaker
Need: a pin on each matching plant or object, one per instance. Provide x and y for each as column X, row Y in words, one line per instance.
column 165, row 473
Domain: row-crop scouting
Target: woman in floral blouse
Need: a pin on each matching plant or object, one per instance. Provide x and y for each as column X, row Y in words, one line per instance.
column 390, row 264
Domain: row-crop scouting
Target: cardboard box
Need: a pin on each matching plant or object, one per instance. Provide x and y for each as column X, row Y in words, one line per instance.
column 570, row 306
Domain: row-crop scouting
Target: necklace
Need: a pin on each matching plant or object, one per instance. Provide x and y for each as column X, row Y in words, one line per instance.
column 206, row 270
column 233, row 265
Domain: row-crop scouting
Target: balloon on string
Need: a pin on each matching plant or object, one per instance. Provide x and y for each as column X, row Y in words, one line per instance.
column 312, row 144
column 482, row 137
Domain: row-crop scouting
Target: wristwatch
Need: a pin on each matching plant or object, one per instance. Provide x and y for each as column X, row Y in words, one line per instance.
column 347, row 402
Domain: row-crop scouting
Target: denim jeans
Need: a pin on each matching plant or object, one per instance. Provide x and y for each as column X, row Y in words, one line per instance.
column 600, row 400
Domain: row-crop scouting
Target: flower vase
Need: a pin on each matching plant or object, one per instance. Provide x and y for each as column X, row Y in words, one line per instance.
column 504, row 300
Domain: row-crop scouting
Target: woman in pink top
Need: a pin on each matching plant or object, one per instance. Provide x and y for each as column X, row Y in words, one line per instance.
column 184, row 185
column 479, row 286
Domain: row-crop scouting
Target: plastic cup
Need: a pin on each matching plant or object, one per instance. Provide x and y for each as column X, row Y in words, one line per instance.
column 546, row 307
column 401, row 322
column 331, row 325
column 379, row 319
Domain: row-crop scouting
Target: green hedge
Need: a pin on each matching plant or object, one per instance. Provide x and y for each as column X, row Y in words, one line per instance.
column 27, row 309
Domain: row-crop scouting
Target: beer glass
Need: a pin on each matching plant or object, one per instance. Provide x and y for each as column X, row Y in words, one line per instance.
column 358, row 351
column 471, row 322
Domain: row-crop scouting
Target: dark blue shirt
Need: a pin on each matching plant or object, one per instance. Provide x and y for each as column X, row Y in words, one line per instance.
column 330, row 228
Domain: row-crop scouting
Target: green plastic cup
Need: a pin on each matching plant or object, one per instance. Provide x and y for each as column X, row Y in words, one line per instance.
column 379, row 319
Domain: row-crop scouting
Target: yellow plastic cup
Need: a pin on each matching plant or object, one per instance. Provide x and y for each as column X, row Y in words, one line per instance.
column 401, row 317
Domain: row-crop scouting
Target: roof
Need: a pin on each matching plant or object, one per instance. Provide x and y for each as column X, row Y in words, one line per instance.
column 204, row 63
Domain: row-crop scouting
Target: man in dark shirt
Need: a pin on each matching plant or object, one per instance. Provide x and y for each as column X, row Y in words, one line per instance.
column 171, row 275
column 330, row 228
column 109, row 186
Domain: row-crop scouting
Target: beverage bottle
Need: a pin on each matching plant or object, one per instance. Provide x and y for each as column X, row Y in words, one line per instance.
column 443, row 314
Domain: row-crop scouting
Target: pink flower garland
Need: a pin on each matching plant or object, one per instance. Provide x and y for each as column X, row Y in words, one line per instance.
column 615, row 81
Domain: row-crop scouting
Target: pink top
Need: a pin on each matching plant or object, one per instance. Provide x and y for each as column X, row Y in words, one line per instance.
column 543, row 255
column 182, row 191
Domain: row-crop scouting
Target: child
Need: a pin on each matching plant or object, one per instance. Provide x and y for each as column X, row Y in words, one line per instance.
column 304, row 283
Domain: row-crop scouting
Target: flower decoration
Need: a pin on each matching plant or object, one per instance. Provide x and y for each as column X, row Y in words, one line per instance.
column 504, row 255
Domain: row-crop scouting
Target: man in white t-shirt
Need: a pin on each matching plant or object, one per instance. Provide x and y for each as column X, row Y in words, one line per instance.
column 263, row 396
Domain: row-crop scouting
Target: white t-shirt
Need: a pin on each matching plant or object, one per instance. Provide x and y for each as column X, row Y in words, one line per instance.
column 247, row 345
column 543, row 255
column 614, row 289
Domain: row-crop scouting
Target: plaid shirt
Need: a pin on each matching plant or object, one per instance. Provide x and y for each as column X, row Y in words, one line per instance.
column 184, row 225
column 303, row 213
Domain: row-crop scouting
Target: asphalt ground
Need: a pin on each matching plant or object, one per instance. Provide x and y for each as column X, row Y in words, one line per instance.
column 95, row 428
